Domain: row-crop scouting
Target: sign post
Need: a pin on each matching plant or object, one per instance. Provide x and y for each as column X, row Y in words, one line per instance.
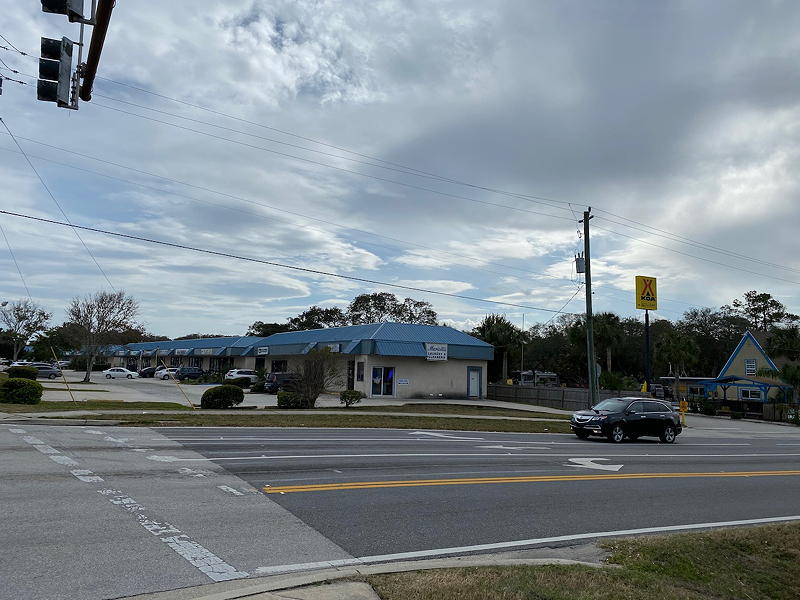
column 647, row 300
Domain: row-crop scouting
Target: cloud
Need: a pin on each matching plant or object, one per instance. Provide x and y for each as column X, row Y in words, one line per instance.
column 678, row 123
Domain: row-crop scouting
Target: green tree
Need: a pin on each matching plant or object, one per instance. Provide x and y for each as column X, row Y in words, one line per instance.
column 761, row 310
column 23, row 319
column 507, row 339
column 261, row 329
column 785, row 341
column 680, row 352
column 607, row 335
column 317, row 317
column 58, row 340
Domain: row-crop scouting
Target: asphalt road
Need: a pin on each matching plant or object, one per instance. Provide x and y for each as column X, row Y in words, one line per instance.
column 91, row 513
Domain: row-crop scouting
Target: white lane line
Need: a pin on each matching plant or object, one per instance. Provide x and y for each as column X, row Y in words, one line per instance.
column 466, row 455
column 379, row 558
column 230, row 490
column 787, row 444
column 86, row 476
column 63, row 460
column 29, row 439
column 45, row 449
column 15, row 430
column 94, row 432
column 206, row 561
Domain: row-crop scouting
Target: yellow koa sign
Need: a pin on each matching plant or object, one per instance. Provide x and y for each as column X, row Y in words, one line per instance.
column 646, row 293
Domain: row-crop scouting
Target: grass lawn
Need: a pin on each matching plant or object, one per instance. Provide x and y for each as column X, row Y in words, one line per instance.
column 459, row 409
column 756, row 563
column 309, row 419
column 46, row 406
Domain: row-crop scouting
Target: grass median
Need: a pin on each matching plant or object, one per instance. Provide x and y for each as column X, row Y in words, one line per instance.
column 745, row 563
column 460, row 409
column 265, row 419
column 47, row 406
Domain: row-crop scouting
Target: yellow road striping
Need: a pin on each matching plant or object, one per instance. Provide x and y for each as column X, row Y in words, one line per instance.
column 361, row 485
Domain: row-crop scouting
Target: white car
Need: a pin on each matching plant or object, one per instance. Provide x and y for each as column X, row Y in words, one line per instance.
column 236, row 373
column 115, row 372
column 168, row 373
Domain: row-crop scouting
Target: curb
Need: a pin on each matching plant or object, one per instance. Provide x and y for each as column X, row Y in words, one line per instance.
column 40, row 421
column 287, row 581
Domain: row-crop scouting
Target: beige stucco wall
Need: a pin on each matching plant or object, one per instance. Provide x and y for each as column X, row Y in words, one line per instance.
column 737, row 368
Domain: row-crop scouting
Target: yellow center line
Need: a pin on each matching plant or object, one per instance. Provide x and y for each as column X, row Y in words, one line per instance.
column 360, row 485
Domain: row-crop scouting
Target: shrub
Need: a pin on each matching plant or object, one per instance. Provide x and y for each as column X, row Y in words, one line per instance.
column 258, row 388
column 241, row 382
column 291, row 400
column 350, row 397
column 22, row 372
column 17, row 390
column 222, row 396
column 3, row 376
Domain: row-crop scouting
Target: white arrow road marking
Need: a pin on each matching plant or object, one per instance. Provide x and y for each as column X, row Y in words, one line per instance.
column 512, row 447
column 444, row 435
column 589, row 463
column 158, row 458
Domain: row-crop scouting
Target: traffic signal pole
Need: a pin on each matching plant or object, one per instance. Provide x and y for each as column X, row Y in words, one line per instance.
column 102, row 18
column 593, row 390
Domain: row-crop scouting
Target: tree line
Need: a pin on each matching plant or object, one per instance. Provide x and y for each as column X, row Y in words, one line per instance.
column 697, row 344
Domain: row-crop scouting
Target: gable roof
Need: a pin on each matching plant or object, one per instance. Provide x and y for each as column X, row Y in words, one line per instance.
column 747, row 336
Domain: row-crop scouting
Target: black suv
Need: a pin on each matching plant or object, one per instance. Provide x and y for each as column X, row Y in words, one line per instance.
column 277, row 382
column 618, row 418
column 188, row 373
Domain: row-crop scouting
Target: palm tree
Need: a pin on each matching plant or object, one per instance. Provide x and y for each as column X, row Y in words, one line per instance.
column 680, row 352
column 607, row 334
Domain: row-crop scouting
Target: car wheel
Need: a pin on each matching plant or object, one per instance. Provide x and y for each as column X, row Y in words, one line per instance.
column 108, row 376
column 52, row 376
column 165, row 377
column 130, row 376
column 667, row 435
column 582, row 435
column 617, row 434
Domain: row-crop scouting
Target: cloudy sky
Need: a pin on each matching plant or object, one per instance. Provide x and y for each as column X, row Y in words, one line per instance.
column 446, row 145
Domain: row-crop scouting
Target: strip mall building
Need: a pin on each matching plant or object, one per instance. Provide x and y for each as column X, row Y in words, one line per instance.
column 382, row 360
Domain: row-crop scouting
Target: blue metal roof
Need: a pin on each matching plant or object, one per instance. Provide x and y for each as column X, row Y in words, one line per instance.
column 396, row 332
column 401, row 339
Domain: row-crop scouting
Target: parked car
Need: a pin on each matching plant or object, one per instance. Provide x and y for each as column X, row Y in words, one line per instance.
column 48, row 371
column 62, row 364
column 115, row 372
column 277, row 382
column 188, row 373
column 165, row 374
column 236, row 373
column 618, row 418
column 147, row 372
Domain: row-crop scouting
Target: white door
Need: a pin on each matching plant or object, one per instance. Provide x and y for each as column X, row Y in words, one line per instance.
column 474, row 389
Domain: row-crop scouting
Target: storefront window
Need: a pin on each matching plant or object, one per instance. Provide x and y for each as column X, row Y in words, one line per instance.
column 360, row 371
column 279, row 366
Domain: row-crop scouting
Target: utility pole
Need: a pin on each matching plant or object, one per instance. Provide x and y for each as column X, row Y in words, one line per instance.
column 593, row 391
column 648, row 363
column 522, row 350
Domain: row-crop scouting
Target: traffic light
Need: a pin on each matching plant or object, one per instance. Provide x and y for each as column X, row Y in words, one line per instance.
column 72, row 8
column 55, row 71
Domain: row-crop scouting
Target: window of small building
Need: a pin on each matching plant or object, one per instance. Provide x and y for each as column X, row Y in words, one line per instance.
column 360, row 371
column 750, row 366
column 175, row 361
column 751, row 394
column 195, row 361
column 279, row 366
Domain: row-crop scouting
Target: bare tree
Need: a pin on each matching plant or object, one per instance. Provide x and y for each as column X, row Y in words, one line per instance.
column 99, row 319
column 24, row 319
column 318, row 372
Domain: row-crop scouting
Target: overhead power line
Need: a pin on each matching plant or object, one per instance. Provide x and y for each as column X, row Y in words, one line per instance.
column 272, row 263
column 16, row 264
column 547, row 201
column 53, row 198
column 270, row 207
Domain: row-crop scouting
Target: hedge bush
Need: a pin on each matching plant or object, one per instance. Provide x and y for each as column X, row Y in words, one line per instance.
column 258, row 388
column 18, row 390
column 22, row 373
column 222, row 396
column 291, row 400
column 3, row 376
column 350, row 397
column 242, row 382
